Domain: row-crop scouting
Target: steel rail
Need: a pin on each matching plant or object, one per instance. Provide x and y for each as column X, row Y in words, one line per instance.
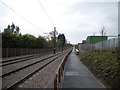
column 7, row 73
column 14, row 85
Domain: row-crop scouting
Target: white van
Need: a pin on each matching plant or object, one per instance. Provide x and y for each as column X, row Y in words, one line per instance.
column 77, row 51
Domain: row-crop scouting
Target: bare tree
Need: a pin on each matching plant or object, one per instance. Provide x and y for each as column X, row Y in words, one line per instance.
column 103, row 31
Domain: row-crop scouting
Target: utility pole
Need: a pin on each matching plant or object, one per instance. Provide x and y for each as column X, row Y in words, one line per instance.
column 54, row 40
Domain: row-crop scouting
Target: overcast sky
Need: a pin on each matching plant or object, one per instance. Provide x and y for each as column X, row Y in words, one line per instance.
column 77, row 19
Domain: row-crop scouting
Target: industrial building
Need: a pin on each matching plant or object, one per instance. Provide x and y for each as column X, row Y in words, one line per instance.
column 95, row 39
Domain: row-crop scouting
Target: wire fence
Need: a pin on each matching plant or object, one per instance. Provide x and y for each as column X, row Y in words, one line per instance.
column 111, row 44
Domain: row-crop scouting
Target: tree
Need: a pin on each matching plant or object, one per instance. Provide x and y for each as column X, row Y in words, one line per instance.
column 12, row 27
column 103, row 31
column 12, row 38
column 8, row 27
column 9, row 40
column 17, row 30
column 84, row 41
column 8, row 30
column 61, row 38
column 42, row 42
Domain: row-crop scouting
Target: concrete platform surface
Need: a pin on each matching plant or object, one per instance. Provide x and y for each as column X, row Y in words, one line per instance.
column 76, row 75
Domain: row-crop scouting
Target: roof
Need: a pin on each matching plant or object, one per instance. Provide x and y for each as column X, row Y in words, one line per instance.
column 97, row 36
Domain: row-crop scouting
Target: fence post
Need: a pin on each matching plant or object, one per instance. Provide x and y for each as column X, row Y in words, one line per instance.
column 59, row 75
column 55, row 83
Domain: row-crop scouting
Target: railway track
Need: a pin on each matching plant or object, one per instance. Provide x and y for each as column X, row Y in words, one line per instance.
column 19, row 59
column 13, row 77
column 21, row 65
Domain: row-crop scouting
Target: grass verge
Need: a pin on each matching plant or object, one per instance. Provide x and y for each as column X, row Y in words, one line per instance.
column 105, row 65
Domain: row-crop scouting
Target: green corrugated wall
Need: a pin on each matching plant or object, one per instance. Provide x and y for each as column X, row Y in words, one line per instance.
column 95, row 39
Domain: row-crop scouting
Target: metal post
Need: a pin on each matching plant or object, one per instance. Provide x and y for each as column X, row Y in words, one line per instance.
column 54, row 40
column 62, row 43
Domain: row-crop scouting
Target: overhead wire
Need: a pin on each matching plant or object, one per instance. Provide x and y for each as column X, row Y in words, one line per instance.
column 40, row 3
column 42, row 6
column 19, row 14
